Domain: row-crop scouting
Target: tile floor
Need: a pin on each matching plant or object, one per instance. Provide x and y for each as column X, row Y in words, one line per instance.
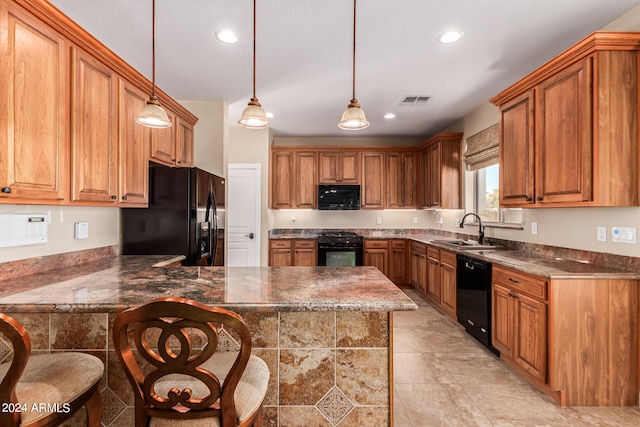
column 444, row 377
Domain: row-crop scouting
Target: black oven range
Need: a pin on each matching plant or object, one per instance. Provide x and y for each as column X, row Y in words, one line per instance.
column 340, row 248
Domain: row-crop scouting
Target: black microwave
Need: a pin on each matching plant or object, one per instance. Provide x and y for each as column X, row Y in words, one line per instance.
column 338, row 197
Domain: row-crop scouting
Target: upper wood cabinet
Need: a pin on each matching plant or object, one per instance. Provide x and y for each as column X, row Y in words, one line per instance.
column 441, row 167
column 68, row 132
column 94, row 133
column 402, row 169
column 293, row 179
column 373, row 181
column 134, row 145
column 569, row 131
column 338, row 167
column 34, row 121
column 173, row 146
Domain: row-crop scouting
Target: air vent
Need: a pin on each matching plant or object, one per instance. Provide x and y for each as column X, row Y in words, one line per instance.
column 414, row 101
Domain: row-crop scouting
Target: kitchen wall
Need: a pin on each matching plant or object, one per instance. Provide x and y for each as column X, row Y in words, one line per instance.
column 210, row 135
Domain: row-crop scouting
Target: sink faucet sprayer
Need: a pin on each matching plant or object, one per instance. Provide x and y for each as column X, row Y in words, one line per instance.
column 480, row 227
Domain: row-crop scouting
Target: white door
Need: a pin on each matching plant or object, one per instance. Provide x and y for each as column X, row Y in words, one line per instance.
column 243, row 215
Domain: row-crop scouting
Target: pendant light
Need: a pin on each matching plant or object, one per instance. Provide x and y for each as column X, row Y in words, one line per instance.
column 153, row 115
column 353, row 117
column 254, row 117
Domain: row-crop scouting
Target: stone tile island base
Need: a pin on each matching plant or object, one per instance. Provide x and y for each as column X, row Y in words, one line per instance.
column 328, row 368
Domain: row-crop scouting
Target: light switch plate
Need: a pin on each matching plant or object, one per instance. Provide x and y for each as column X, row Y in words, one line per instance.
column 624, row 235
column 602, row 234
column 534, row 228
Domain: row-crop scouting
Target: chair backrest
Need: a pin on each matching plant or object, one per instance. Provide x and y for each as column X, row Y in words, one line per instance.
column 19, row 339
column 164, row 332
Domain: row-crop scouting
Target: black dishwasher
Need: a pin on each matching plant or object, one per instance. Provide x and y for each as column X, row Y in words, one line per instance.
column 474, row 298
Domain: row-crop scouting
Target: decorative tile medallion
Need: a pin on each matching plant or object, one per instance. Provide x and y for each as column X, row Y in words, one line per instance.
column 334, row 405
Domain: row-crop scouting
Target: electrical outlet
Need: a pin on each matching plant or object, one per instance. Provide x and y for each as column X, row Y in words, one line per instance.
column 81, row 230
column 293, row 220
column 378, row 220
column 415, row 219
column 602, row 234
column 534, row 228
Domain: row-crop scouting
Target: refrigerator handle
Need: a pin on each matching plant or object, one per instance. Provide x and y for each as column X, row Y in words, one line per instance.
column 212, row 208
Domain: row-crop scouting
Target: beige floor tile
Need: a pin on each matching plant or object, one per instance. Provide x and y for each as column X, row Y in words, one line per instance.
column 444, row 377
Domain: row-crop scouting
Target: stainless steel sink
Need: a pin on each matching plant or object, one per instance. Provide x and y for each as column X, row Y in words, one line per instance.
column 466, row 245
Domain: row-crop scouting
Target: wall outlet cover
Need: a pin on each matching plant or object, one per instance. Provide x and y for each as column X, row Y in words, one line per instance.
column 81, row 230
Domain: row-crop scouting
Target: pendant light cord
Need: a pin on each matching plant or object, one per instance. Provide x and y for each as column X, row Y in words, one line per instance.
column 254, row 48
column 354, row 49
column 153, row 47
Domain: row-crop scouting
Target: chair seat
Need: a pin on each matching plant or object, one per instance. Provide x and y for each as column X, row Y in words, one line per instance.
column 249, row 394
column 55, row 378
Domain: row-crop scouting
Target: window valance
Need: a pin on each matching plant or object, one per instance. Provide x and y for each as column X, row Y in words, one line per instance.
column 481, row 149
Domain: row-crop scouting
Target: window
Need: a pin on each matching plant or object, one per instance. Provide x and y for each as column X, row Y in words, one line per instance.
column 481, row 157
column 487, row 198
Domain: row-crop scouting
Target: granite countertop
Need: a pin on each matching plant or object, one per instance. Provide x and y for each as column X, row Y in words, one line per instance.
column 547, row 266
column 114, row 284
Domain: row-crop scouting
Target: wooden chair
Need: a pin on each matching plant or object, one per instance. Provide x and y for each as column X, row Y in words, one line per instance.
column 175, row 380
column 46, row 389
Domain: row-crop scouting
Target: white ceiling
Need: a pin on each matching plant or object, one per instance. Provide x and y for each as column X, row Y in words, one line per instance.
column 304, row 53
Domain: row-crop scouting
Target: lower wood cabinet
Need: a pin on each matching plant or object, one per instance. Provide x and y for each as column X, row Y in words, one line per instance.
column 390, row 257
column 575, row 339
column 520, row 320
column 448, row 265
column 434, row 287
column 293, row 252
column 418, row 266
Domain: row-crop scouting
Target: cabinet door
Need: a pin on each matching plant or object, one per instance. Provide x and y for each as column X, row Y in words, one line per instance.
column 163, row 143
column 281, row 180
column 94, row 136
column 184, row 143
column 305, row 180
column 433, row 175
column 349, row 168
column 305, row 257
column 434, row 287
column 398, row 262
column 516, row 151
column 134, row 145
column 530, row 335
column 401, row 171
column 373, row 181
column 378, row 258
column 502, row 320
column 280, row 258
column 448, row 282
column 564, row 136
column 34, row 127
column 338, row 168
column 422, row 273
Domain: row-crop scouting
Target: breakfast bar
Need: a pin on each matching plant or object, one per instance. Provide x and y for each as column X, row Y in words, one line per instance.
column 325, row 332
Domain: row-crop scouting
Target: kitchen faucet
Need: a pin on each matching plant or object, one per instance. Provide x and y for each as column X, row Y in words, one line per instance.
column 480, row 227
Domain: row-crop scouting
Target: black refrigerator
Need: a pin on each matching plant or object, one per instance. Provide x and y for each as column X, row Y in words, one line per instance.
column 182, row 217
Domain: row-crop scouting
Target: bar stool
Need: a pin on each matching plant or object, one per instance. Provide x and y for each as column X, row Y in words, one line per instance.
column 179, row 376
column 46, row 389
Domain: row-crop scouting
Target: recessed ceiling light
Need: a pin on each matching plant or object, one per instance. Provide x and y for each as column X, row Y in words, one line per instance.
column 226, row 36
column 450, row 37
column 389, row 116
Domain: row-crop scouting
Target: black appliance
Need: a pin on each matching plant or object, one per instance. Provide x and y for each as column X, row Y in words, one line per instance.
column 340, row 248
column 338, row 197
column 474, row 298
column 182, row 217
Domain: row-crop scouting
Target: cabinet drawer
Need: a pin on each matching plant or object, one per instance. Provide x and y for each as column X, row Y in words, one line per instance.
column 373, row 244
column 398, row 244
column 433, row 252
column 305, row 244
column 418, row 248
column 535, row 287
column 447, row 257
column 280, row 244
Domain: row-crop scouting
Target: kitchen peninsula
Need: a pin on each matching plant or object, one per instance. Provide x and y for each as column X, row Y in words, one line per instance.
column 325, row 332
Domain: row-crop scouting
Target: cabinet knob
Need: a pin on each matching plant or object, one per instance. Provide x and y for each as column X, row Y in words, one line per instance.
column 6, row 190
column 528, row 199
column 124, row 197
column 539, row 198
column 114, row 197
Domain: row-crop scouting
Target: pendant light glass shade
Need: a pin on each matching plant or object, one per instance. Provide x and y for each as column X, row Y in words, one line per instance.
column 254, row 117
column 153, row 115
column 353, row 117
